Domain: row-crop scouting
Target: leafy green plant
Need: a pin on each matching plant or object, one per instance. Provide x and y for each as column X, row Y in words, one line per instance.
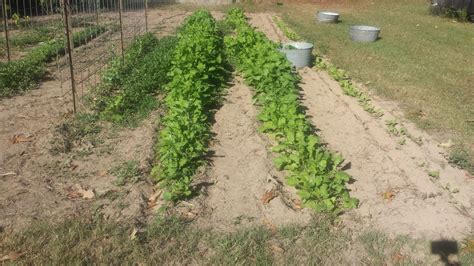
column 461, row 15
column 434, row 174
column 395, row 129
column 347, row 86
column 460, row 157
column 129, row 86
column 197, row 75
column 289, row 33
column 313, row 170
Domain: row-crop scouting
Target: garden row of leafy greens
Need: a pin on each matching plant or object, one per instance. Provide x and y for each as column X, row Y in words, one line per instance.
column 314, row 171
column 197, row 77
column 23, row 74
column 130, row 85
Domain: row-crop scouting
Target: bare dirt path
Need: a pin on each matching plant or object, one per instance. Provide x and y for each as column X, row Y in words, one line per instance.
column 36, row 185
column 396, row 193
column 246, row 190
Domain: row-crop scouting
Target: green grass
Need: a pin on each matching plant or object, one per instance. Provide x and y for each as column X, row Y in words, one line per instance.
column 170, row 240
column 423, row 62
column 127, row 172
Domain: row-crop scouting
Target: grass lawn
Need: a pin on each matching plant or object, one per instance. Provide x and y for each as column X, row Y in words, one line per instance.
column 175, row 241
column 424, row 63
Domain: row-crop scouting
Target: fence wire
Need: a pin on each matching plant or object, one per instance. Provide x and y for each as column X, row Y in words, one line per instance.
column 97, row 31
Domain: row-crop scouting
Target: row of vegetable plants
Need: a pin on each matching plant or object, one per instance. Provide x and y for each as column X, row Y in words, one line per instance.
column 131, row 86
column 312, row 169
column 348, row 88
column 197, row 75
column 25, row 73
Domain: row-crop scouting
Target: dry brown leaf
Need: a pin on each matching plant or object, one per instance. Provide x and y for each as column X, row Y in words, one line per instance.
column 268, row 196
column 19, row 138
column 73, row 194
column 86, row 194
column 102, row 173
column 277, row 248
column 469, row 248
column 297, row 203
column 388, row 195
column 153, row 198
column 133, row 235
column 448, row 144
column 11, row 256
column 270, row 225
column 7, row 174
column 398, row 257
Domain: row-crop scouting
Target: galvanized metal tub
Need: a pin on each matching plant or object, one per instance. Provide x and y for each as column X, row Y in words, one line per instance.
column 363, row 33
column 327, row 17
column 298, row 53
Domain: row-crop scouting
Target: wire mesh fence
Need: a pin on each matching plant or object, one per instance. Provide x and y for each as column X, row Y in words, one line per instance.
column 88, row 33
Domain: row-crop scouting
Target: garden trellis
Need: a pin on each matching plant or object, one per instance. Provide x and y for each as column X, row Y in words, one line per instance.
column 88, row 33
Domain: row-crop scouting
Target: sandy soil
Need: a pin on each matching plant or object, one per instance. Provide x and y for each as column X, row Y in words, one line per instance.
column 36, row 185
column 246, row 190
column 396, row 193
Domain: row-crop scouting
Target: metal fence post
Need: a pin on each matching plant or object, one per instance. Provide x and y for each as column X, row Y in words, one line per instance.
column 69, row 50
column 5, row 27
column 97, row 8
column 121, row 29
column 146, row 15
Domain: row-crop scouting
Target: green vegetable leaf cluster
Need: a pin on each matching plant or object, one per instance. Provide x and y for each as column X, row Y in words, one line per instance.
column 348, row 87
column 129, row 86
column 197, row 75
column 314, row 171
column 289, row 33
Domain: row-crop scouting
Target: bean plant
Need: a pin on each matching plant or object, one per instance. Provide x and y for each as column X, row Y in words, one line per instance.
column 313, row 170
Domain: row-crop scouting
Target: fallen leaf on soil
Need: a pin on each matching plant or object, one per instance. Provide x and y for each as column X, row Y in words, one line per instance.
column 190, row 215
column 102, row 173
column 152, row 199
column 86, row 194
column 67, row 114
column 73, row 194
column 297, row 204
column 12, row 255
column 277, row 248
column 469, row 248
column 268, row 196
column 133, row 235
column 80, row 193
column 448, row 144
column 19, row 138
column 388, row 195
column 7, row 174
column 398, row 257
column 270, row 225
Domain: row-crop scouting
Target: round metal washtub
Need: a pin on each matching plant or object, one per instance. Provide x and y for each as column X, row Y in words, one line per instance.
column 327, row 17
column 364, row 33
column 298, row 53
